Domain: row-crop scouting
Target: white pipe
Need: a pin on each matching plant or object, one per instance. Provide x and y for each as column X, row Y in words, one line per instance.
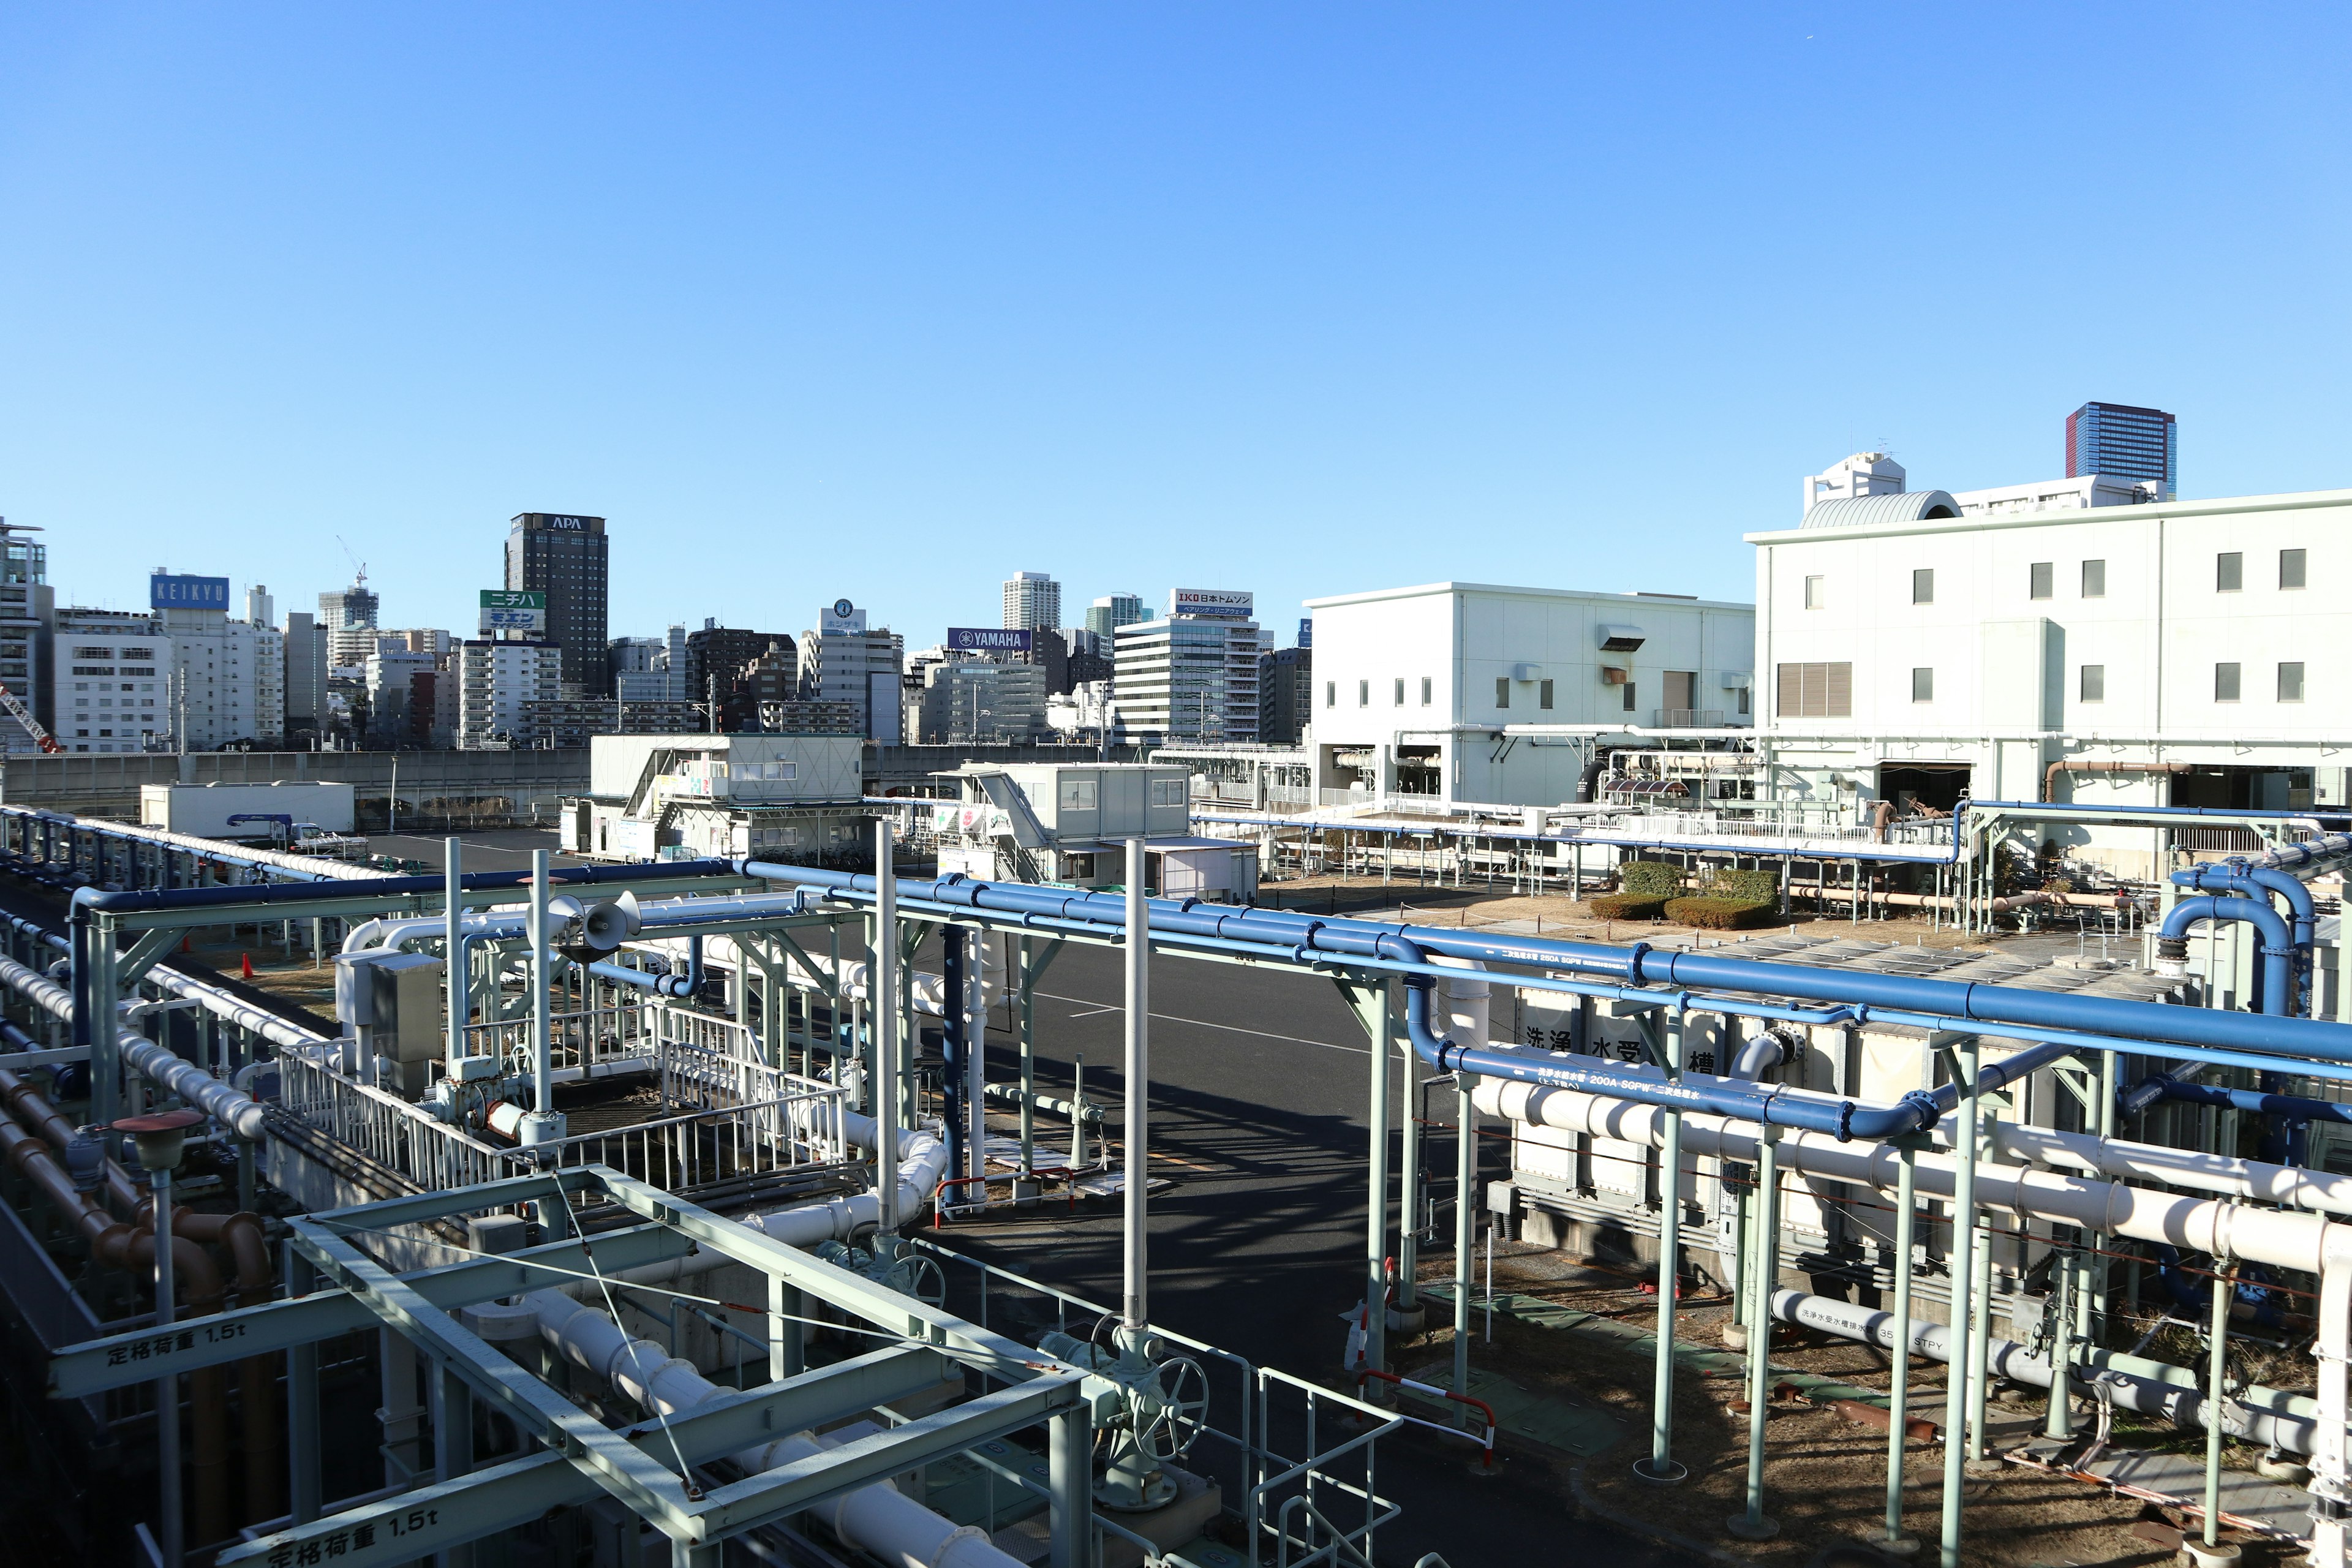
column 215, row 849
column 2261, row 1236
column 1136, row 1304
column 542, row 1087
column 2282, row 1426
column 2331, row 1489
column 2289, row 1186
column 886, row 1068
column 876, row 1518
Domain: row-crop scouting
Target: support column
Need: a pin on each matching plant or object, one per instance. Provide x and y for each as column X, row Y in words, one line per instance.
column 1962, row 1272
column 1660, row 1467
column 1136, row 1154
column 1071, row 1479
column 1024, row 956
column 1372, row 1010
column 1465, row 1214
column 787, row 1336
column 1408, row 1252
column 2217, row 1384
column 1756, row 1524
column 882, row 970
column 302, row 1435
column 1898, row 1402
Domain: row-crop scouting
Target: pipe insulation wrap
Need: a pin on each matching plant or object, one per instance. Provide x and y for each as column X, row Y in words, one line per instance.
column 876, row 1518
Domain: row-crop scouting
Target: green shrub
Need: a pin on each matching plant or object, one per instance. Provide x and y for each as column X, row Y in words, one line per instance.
column 1752, row 886
column 1649, row 878
column 1627, row 907
column 1719, row 914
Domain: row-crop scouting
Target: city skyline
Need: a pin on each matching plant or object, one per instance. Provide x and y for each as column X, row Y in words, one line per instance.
column 994, row 287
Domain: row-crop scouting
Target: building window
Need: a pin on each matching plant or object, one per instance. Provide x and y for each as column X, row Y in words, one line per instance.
column 1425, row 691
column 1078, row 794
column 2290, row 682
column 2092, row 686
column 1543, row 694
column 2228, row 572
column 1400, row 691
column 1330, row 694
column 1923, row 585
column 1814, row 690
column 1743, row 702
column 1502, row 691
column 2094, row 579
column 1923, row 685
column 1629, row 696
column 2225, row 683
column 2040, row 576
column 1363, row 694
column 1817, row 593
column 2289, row 570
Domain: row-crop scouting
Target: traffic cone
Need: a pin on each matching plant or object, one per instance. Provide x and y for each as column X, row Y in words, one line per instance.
column 248, row 965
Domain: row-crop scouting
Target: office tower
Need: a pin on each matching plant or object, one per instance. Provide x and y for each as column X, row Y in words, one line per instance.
column 1031, row 600
column 842, row 661
column 1192, row 675
column 1112, row 611
column 1286, row 695
column 228, row 678
column 306, row 674
column 27, row 609
column 562, row 555
column 2124, row 442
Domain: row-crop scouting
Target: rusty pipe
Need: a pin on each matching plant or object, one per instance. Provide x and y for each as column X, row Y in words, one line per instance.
column 119, row 1246
column 257, row 1282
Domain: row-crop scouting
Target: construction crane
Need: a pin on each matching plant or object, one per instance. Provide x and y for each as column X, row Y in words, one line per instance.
column 358, row 566
column 24, row 715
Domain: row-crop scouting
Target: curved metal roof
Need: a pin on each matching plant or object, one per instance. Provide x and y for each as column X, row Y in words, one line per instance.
column 1867, row 511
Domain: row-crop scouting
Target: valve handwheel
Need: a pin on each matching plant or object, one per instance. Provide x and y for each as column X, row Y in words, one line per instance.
column 1178, row 1410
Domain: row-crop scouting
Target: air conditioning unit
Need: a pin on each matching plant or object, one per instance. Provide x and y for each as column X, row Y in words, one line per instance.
column 1526, row 672
column 1612, row 676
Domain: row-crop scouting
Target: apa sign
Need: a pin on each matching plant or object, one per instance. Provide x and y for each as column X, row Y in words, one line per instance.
column 1215, row 603
column 989, row 639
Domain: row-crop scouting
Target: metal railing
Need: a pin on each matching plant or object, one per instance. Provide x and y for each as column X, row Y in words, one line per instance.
column 1690, row 719
column 386, row 1129
column 591, row 1039
column 797, row 1133
column 1278, row 1492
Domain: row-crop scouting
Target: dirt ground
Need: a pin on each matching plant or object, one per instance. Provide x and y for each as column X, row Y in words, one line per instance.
column 1559, row 915
column 1824, row 1477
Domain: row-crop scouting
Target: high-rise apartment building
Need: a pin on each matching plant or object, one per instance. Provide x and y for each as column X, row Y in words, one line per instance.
column 305, row 676
column 498, row 683
column 2124, row 442
column 715, row 659
column 1031, row 600
column 562, row 555
column 1112, row 611
column 1286, row 695
column 348, row 618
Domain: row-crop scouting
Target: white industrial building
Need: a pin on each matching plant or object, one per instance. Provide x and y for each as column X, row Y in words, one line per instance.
column 112, row 682
column 1445, row 689
column 842, row 661
column 1067, row 823
column 1191, row 674
column 497, row 682
column 794, row 798
column 2173, row 653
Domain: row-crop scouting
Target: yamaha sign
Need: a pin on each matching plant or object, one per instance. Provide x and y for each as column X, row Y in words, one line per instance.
column 989, row 639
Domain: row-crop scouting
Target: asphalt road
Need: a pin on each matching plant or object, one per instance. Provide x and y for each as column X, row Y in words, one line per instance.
column 1261, row 1083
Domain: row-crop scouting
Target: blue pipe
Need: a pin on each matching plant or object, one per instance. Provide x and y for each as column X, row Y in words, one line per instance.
column 2277, row 970
column 2236, row 875
column 685, row 984
column 2261, row 1103
column 1969, row 1002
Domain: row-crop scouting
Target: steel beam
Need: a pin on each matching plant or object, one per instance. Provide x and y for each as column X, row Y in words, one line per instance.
column 505, row 1496
column 122, row 1359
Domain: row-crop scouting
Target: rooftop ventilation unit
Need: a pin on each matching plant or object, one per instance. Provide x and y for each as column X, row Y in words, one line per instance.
column 1620, row 639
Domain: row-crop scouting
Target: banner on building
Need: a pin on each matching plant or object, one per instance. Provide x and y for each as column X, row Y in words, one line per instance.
column 989, row 639
column 1212, row 604
column 841, row 619
column 513, row 610
column 166, row 592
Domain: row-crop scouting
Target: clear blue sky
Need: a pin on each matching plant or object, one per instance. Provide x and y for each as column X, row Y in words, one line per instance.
column 890, row 302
